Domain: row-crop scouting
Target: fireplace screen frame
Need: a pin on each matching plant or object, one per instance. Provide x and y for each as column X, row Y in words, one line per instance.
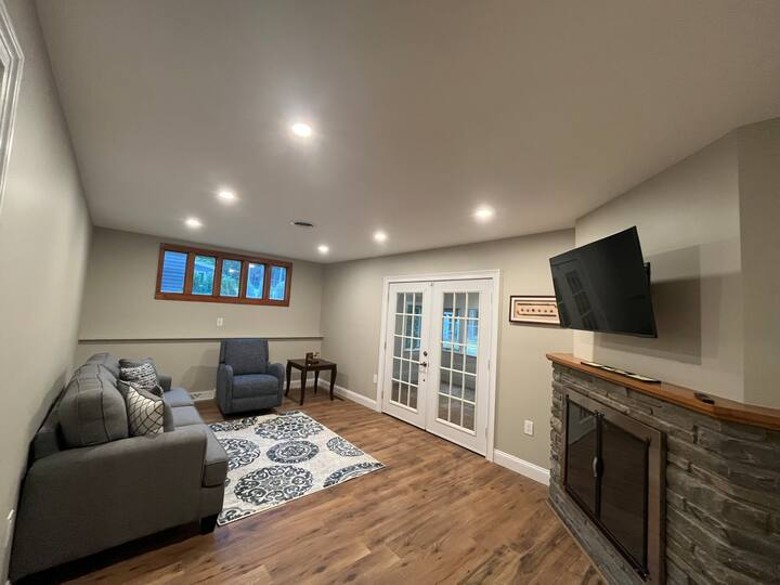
column 656, row 482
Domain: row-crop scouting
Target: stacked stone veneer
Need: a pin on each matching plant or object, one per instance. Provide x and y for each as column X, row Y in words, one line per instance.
column 722, row 490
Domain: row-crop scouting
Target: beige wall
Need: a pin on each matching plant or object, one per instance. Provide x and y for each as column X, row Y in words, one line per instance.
column 759, row 185
column 688, row 222
column 120, row 313
column 352, row 306
column 44, row 236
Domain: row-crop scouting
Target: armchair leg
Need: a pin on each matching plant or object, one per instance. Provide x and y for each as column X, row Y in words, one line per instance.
column 208, row 524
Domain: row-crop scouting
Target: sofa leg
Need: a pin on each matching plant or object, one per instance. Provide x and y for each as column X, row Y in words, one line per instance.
column 208, row 524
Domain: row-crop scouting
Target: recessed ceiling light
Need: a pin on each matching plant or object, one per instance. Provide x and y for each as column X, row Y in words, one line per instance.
column 323, row 249
column 380, row 236
column 193, row 223
column 484, row 213
column 226, row 195
column 301, row 129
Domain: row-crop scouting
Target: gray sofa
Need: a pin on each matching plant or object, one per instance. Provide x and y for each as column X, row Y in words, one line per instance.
column 246, row 381
column 90, row 486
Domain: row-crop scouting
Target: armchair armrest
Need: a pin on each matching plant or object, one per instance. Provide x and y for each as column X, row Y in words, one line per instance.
column 224, row 386
column 278, row 371
column 80, row 501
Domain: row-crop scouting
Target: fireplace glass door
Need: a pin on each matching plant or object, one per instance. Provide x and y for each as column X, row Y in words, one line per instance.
column 607, row 473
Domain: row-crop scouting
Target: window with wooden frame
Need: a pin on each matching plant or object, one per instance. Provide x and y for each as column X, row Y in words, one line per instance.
column 194, row 274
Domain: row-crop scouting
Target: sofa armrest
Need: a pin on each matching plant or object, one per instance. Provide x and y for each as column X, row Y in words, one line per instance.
column 81, row 501
column 277, row 370
column 164, row 381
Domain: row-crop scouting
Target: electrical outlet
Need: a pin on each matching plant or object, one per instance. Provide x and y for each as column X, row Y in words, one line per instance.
column 219, row 321
column 528, row 428
column 376, row 378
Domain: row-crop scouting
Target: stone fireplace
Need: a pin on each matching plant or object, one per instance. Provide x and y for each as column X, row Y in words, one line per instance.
column 660, row 484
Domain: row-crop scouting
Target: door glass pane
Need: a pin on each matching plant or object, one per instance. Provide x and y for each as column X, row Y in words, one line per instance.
column 278, row 285
column 460, row 304
column 231, row 277
column 404, row 394
column 203, row 275
column 255, row 280
column 468, row 416
column 473, row 304
column 446, row 358
column 399, row 324
column 396, row 369
column 457, row 384
column 444, row 382
column 455, row 412
column 580, row 451
column 413, row 397
column 174, row 268
column 444, row 407
column 470, row 388
column 395, row 391
column 418, row 303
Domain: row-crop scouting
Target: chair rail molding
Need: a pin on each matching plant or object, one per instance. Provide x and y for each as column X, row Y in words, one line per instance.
column 11, row 61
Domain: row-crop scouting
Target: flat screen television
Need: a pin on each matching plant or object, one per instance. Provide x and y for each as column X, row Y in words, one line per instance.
column 605, row 287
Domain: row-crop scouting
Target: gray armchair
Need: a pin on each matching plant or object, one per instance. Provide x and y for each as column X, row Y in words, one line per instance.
column 245, row 379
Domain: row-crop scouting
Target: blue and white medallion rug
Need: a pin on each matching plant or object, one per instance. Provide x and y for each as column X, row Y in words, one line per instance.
column 276, row 458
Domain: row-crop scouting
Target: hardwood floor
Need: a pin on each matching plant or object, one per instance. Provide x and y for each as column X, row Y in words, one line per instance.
column 436, row 514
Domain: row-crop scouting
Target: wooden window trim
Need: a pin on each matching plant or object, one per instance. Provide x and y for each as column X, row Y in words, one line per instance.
column 217, row 284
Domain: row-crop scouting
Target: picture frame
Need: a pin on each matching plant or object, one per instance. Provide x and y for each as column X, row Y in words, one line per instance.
column 534, row 309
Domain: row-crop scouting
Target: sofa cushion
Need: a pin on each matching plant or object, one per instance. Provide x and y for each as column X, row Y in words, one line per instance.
column 215, row 466
column 106, row 360
column 178, row 397
column 145, row 412
column 92, row 411
column 253, row 385
column 184, row 416
column 246, row 356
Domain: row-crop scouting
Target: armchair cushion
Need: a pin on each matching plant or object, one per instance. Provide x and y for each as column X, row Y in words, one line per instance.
column 246, row 356
column 254, row 385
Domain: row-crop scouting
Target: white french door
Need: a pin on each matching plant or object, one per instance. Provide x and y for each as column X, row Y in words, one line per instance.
column 408, row 327
column 437, row 358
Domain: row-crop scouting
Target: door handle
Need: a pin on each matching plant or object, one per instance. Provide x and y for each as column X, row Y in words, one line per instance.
column 424, row 364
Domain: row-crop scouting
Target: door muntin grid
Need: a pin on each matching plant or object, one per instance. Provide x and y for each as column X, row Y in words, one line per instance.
column 407, row 339
column 460, row 328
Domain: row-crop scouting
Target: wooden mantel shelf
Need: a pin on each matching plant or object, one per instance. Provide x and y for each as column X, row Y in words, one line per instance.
column 719, row 408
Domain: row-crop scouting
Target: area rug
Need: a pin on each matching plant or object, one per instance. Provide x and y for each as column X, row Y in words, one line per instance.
column 280, row 457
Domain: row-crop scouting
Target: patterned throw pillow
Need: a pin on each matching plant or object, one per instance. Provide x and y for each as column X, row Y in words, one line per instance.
column 145, row 412
column 142, row 375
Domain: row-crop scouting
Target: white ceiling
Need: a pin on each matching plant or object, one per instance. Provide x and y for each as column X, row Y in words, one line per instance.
column 422, row 110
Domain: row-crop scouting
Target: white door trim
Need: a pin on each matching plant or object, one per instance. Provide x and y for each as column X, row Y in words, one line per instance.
column 495, row 277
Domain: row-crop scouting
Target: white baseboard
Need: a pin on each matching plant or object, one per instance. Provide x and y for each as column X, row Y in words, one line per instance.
column 346, row 394
column 203, row 395
column 521, row 466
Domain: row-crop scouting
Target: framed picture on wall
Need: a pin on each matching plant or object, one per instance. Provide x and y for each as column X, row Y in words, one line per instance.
column 538, row 309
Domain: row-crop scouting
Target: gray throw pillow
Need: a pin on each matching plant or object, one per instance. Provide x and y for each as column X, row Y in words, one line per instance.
column 141, row 374
column 145, row 412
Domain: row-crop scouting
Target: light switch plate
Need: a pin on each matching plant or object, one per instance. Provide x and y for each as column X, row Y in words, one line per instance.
column 528, row 428
column 219, row 321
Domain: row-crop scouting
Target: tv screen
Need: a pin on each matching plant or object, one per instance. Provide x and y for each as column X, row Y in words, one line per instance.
column 605, row 286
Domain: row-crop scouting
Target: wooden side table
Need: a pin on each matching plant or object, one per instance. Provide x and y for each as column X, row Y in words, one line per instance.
column 319, row 366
